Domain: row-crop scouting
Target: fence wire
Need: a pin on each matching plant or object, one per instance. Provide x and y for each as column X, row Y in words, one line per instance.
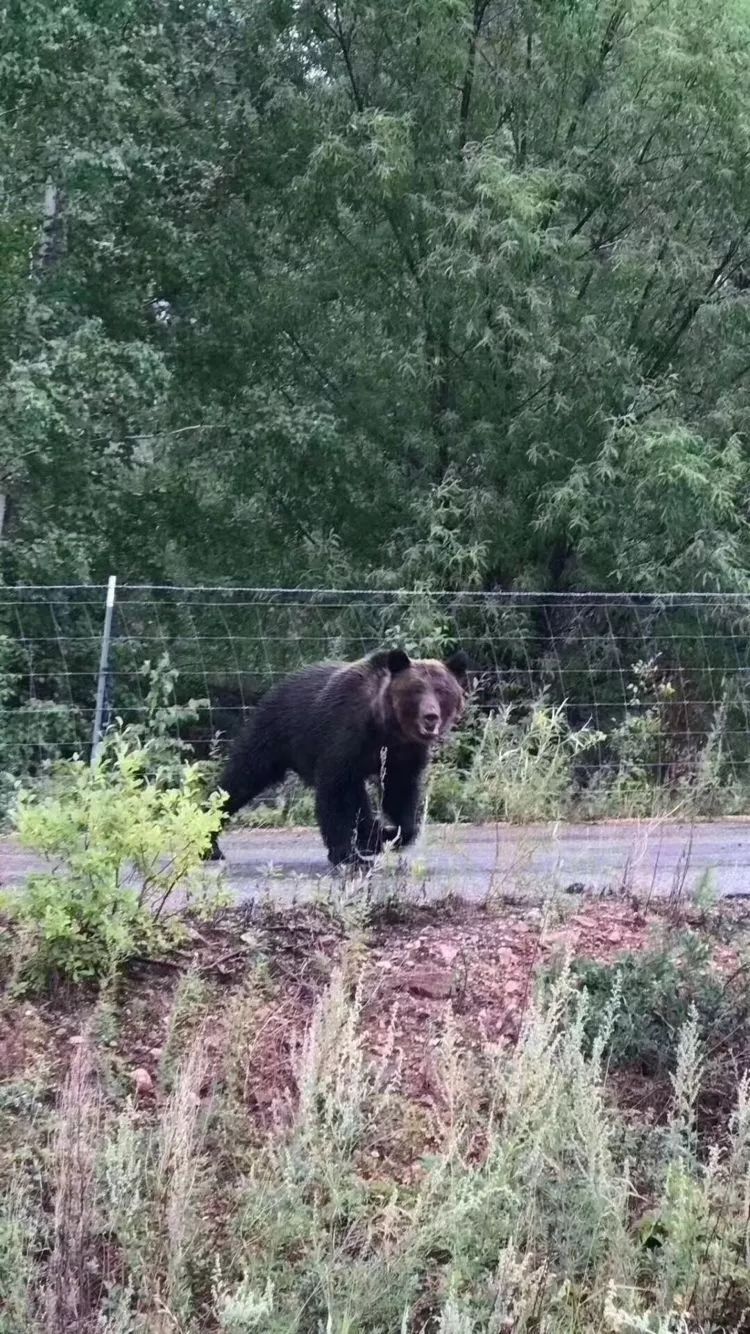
column 678, row 663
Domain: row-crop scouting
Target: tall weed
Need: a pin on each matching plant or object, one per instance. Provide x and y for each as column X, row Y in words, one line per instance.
column 517, row 770
column 73, row 1271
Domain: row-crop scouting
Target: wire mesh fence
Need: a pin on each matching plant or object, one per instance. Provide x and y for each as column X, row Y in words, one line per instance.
column 655, row 684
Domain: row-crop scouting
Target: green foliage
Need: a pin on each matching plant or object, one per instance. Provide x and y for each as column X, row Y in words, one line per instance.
column 39, row 725
column 428, row 294
column 683, row 490
column 158, row 735
column 297, row 271
column 523, row 765
column 517, row 771
column 658, row 991
column 122, row 837
column 294, row 807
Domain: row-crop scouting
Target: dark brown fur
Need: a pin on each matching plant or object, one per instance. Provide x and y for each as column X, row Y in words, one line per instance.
column 338, row 725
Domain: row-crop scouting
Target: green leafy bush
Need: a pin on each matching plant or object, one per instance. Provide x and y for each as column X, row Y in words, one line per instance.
column 120, row 843
column 120, row 838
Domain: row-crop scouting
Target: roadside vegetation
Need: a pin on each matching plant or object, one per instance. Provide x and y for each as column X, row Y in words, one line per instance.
column 364, row 1115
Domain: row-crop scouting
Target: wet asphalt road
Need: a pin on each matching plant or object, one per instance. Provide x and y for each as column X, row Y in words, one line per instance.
column 476, row 861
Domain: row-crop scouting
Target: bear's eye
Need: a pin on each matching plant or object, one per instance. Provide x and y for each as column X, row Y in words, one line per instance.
column 446, row 697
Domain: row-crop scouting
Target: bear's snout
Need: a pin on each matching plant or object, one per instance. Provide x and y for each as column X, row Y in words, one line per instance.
column 429, row 719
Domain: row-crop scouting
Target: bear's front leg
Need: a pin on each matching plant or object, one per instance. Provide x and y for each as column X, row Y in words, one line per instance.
column 214, row 852
column 349, row 830
column 402, row 792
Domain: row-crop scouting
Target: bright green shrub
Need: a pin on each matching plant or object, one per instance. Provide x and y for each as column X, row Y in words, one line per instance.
column 119, row 842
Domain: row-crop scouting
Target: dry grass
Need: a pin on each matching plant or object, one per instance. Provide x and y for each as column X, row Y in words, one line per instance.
column 375, row 1132
column 178, row 1172
column 72, row 1271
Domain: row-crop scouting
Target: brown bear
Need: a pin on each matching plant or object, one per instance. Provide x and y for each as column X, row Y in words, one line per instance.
column 336, row 725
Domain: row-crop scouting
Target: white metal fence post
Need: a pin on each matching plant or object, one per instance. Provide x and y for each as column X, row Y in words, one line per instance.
column 101, row 684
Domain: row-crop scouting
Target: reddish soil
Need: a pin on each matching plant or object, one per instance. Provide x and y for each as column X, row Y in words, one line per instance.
column 479, row 967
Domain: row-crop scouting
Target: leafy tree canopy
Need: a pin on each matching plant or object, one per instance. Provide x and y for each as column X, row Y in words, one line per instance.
column 302, row 292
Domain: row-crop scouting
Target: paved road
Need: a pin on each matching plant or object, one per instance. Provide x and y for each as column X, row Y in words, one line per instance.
column 474, row 861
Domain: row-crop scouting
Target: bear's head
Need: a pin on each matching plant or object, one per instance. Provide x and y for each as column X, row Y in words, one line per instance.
column 425, row 697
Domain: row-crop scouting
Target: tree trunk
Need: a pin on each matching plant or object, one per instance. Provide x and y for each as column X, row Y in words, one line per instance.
column 51, row 246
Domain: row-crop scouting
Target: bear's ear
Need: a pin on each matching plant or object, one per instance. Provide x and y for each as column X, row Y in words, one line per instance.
column 458, row 664
column 398, row 661
column 395, row 660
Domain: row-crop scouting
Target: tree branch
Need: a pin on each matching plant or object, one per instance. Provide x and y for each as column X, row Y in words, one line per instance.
column 344, row 44
column 592, row 82
column 648, row 287
column 480, row 8
column 692, row 307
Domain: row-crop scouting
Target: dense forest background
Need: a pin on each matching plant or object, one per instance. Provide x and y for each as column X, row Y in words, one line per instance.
column 429, row 292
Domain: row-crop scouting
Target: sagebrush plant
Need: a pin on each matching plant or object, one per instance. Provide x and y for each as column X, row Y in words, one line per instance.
column 508, row 1205
column 700, row 1261
column 77, row 1144
column 538, row 1229
column 121, row 837
column 19, row 1224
